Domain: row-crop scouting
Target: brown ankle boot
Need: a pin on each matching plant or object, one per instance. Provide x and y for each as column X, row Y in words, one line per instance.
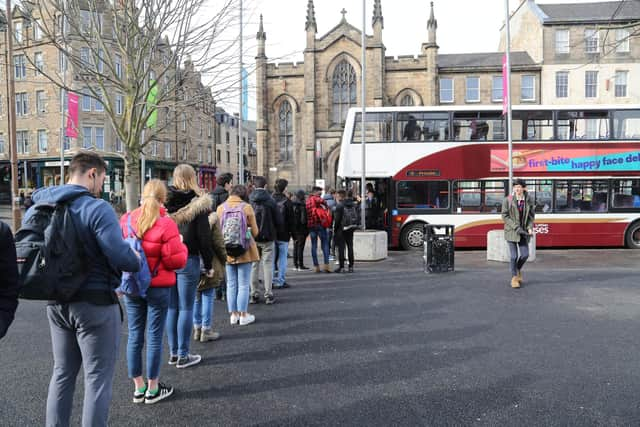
column 520, row 276
column 327, row 269
column 515, row 283
column 316, row 269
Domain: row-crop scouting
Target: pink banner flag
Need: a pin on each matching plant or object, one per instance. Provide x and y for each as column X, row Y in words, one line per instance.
column 72, row 117
column 505, row 86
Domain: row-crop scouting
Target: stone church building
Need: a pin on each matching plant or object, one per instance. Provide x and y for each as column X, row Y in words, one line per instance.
column 301, row 107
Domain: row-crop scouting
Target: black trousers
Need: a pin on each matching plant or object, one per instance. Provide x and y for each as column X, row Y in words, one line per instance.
column 299, row 240
column 344, row 238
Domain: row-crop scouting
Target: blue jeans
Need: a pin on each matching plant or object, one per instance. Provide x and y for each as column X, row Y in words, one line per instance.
column 314, row 233
column 203, row 309
column 281, row 263
column 517, row 262
column 148, row 315
column 180, row 316
column 238, row 285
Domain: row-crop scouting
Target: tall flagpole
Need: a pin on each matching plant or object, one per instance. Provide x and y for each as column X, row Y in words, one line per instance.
column 507, row 76
column 363, row 194
column 240, row 118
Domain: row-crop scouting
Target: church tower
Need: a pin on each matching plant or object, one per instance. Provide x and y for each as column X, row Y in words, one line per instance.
column 262, row 124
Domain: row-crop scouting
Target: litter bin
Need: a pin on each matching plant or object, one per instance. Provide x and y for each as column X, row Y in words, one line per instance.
column 438, row 248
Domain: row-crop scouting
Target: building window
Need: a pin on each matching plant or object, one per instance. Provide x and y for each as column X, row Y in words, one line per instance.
column 621, row 84
column 86, row 137
column 407, row 101
column 184, row 122
column 209, row 155
column 119, row 104
column 201, row 132
column 473, row 89
column 228, row 138
column 562, row 84
column 40, row 101
column 22, row 139
column 528, row 88
column 37, row 30
column 286, row 132
column 20, row 65
column 209, row 130
column 62, row 61
column 591, row 40
column 1, row 144
column 38, row 60
column 446, row 90
column 622, row 40
column 18, row 31
column 344, row 91
column 184, row 151
column 218, row 156
column 118, row 65
column 199, row 154
column 22, row 104
column 85, row 57
column 100, row 64
column 99, row 132
column 66, row 142
column 86, row 100
column 562, row 41
column 228, row 157
column 167, row 150
column 154, row 149
column 496, row 88
column 98, row 105
column 590, row 84
column 42, row 141
column 119, row 145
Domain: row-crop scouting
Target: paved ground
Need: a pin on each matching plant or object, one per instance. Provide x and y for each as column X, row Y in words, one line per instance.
column 390, row 345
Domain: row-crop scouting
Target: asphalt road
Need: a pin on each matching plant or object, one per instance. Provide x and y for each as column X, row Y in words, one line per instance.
column 390, row 345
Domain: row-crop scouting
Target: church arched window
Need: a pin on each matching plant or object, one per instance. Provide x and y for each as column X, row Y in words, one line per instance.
column 344, row 91
column 286, row 131
column 407, row 101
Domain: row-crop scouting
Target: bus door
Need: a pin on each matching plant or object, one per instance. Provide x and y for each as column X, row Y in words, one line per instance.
column 379, row 203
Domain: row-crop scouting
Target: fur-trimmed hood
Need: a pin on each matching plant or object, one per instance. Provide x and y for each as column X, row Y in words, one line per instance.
column 185, row 206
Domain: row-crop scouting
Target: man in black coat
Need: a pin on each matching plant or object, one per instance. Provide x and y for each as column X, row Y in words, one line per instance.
column 283, row 233
column 221, row 193
column 9, row 275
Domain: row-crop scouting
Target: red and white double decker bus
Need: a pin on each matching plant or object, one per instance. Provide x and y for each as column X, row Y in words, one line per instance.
column 449, row 165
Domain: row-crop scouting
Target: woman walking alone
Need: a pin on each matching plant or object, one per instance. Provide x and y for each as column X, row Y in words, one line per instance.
column 165, row 253
column 238, row 268
column 189, row 206
column 518, row 213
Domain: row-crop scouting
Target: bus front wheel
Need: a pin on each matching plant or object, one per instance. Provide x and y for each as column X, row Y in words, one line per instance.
column 632, row 236
column 412, row 237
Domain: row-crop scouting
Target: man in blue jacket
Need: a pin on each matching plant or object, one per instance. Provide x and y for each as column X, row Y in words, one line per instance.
column 86, row 332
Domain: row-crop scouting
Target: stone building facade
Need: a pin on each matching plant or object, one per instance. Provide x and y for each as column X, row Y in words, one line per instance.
column 301, row 106
column 588, row 53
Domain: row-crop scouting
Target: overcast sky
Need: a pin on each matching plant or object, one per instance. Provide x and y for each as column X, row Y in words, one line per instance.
column 464, row 26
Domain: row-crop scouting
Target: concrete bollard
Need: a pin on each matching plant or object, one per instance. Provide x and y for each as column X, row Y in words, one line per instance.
column 370, row 245
column 498, row 250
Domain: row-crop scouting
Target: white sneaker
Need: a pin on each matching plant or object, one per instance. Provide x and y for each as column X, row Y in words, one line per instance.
column 248, row 319
column 233, row 319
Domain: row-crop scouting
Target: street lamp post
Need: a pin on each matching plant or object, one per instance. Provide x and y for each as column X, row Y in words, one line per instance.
column 7, row 26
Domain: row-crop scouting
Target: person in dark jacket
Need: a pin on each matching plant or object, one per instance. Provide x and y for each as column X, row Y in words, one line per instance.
column 9, row 274
column 343, row 232
column 221, row 193
column 92, row 322
column 189, row 206
column 518, row 214
column 300, row 230
column 269, row 221
column 283, row 233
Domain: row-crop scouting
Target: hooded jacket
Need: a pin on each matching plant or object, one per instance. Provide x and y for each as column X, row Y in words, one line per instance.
column 97, row 226
column 268, row 227
column 162, row 247
column 219, row 196
column 512, row 220
column 191, row 212
column 9, row 282
column 285, row 230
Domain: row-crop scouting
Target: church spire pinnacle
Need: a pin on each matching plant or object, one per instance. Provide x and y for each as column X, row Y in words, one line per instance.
column 377, row 13
column 311, row 18
column 261, row 34
column 432, row 26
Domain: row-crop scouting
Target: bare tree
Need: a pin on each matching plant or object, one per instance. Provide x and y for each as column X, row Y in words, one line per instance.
column 130, row 52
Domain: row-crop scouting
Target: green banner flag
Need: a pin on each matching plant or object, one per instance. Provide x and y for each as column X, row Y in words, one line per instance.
column 151, row 103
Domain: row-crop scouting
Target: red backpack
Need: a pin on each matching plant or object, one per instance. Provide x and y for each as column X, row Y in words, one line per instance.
column 324, row 216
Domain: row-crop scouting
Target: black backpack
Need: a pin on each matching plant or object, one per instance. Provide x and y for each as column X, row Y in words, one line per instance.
column 52, row 264
column 299, row 216
column 264, row 220
column 350, row 218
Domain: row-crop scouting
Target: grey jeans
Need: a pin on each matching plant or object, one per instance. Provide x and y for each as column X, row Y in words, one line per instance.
column 88, row 335
column 266, row 251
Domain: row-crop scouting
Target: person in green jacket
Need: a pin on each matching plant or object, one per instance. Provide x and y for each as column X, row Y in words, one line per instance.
column 518, row 213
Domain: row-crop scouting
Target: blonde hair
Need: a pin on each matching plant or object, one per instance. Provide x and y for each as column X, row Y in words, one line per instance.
column 154, row 194
column 184, row 178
